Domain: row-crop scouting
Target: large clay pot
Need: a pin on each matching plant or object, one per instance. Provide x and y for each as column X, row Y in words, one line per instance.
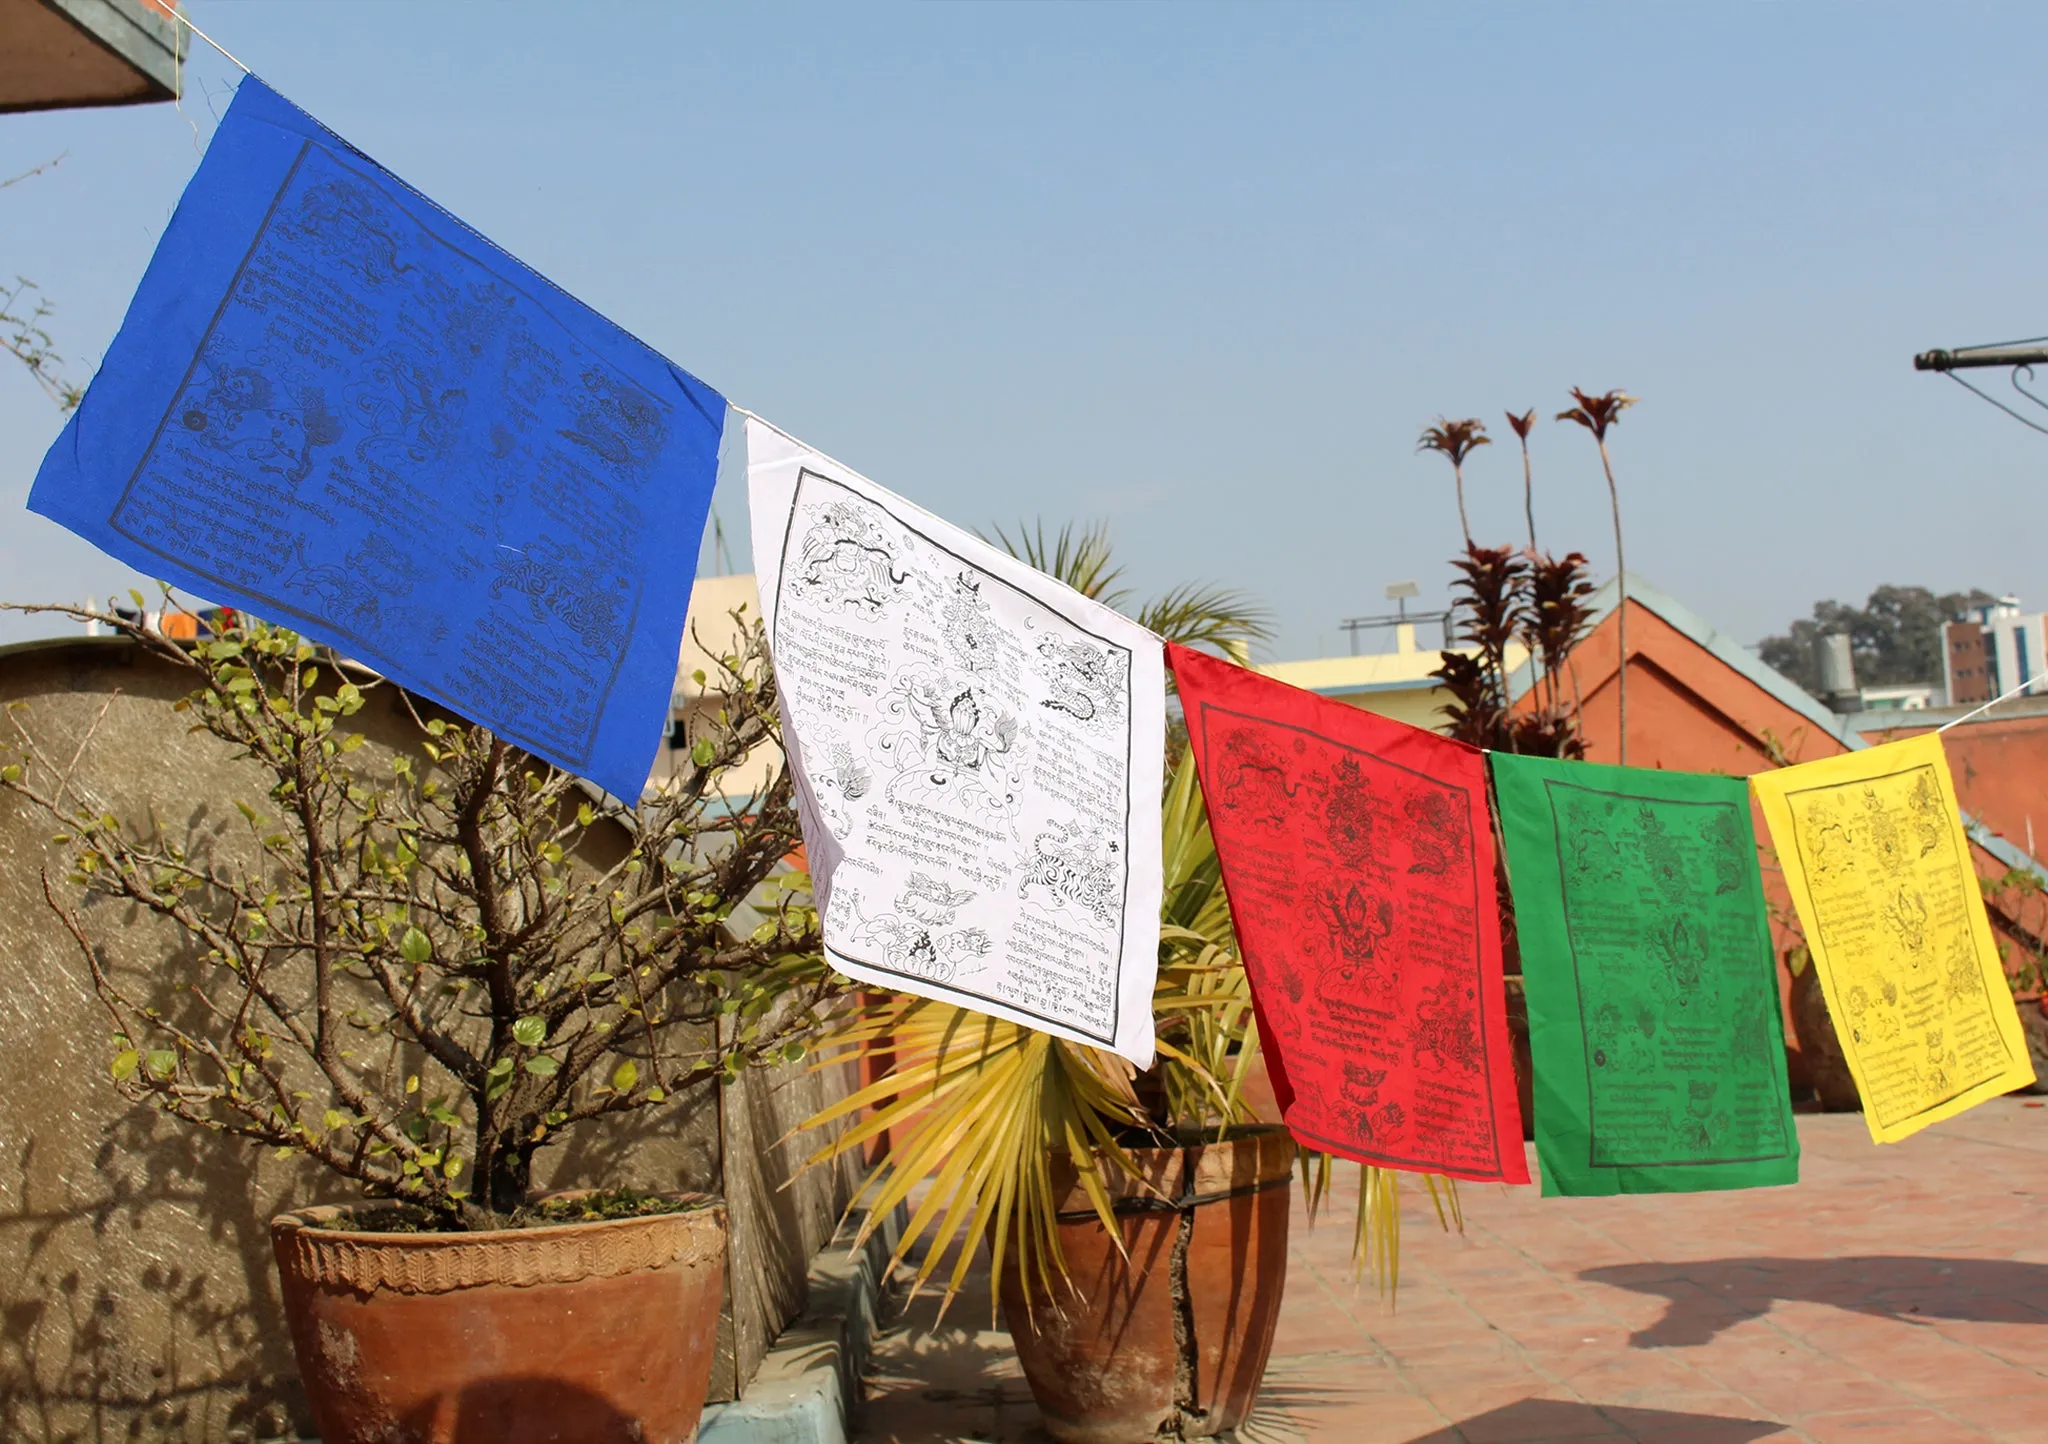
column 1176, row 1334
column 1833, row 1084
column 1523, row 1056
column 2034, row 1024
column 575, row 1333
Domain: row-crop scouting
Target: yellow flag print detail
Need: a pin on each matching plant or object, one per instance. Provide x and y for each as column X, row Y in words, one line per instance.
column 1879, row 867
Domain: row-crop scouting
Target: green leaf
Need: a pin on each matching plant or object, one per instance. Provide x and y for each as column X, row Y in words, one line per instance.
column 625, row 1076
column 584, row 815
column 701, row 752
column 541, row 1065
column 124, row 1064
column 415, row 946
column 163, row 1062
column 529, row 1032
column 10, row 773
column 333, row 1119
column 500, row 1068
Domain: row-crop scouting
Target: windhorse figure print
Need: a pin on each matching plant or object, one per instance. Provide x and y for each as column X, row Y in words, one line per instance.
column 977, row 751
column 1359, row 863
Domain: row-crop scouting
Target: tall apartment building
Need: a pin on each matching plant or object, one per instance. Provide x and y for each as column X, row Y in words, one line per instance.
column 1992, row 649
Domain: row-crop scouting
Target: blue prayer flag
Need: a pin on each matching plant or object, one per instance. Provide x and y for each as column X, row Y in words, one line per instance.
column 336, row 406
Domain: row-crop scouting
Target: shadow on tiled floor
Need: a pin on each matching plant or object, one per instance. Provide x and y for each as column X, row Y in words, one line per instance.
column 1897, row 1295
column 1704, row 1298
column 1539, row 1421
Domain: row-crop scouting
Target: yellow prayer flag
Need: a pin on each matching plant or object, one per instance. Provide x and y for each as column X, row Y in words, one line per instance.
column 1874, row 852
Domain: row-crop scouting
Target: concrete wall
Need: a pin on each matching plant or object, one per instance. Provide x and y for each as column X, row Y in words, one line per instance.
column 710, row 631
column 136, row 1289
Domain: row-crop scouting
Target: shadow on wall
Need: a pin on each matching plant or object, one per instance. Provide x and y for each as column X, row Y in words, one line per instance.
column 142, row 1296
column 1704, row 1298
column 1563, row 1419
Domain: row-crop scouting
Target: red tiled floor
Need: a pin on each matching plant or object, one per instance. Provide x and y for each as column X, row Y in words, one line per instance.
column 1896, row 1294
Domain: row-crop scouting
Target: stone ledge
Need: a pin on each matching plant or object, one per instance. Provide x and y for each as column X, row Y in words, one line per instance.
column 808, row 1386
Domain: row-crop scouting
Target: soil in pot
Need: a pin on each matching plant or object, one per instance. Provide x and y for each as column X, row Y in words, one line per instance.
column 1821, row 1047
column 559, row 1333
column 1172, row 1340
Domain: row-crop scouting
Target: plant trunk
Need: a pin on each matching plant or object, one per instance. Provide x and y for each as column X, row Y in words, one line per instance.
column 1464, row 524
column 1529, row 497
column 508, row 1170
column 1620, row 603
column 1187, row 1364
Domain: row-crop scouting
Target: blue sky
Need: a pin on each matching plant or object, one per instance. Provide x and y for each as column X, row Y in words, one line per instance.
column 1204, row 271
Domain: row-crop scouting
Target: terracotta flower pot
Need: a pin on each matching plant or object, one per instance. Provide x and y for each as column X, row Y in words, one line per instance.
column 1833, row 1083
column 1522, row 1054
column 574, row 1333
column 1179, row 1331
column 2034, row 1023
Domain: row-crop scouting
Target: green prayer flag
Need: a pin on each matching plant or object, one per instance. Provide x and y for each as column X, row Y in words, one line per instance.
column 1654, row 1026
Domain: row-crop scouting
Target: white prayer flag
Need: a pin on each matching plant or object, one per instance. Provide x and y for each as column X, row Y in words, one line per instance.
column 978, row 752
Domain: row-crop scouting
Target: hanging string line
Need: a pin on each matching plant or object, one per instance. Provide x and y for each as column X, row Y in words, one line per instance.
column 795, row 441
column 185, row 20
column 2006, row 697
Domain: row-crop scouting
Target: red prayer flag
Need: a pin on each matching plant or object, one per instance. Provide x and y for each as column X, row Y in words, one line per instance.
column 1359, row 861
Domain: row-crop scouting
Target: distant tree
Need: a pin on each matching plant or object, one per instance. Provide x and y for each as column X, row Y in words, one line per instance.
column 1454, row 441
column 1895, row 637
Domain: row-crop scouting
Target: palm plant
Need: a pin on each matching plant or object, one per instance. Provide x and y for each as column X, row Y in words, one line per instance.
column 1598, row 414
column 1456, row 440
column 985, row 1109
column 1194, row 614
column 992, row 1116
column 1522, row 425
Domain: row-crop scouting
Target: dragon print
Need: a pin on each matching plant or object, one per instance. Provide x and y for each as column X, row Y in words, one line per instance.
column 1083, row 680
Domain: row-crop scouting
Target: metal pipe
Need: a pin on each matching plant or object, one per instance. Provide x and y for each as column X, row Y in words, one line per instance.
column 2028, row 353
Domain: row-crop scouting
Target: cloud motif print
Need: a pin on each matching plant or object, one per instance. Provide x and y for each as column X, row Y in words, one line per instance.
column 978, row 750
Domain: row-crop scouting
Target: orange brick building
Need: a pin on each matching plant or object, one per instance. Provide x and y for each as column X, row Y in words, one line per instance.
column 1700, row 701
